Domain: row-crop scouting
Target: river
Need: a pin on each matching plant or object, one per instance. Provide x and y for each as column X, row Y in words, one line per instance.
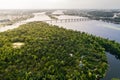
column 102, row 29
column 98, row 28
column 37, row 17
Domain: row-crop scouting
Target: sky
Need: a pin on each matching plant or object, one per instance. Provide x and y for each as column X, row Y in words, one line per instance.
column 59, row 4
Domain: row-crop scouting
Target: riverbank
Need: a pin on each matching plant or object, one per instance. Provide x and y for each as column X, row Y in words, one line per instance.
column 97, row 28
column 49, row 53
column 37, row 17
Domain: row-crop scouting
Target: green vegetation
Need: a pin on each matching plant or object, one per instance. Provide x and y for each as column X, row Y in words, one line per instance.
column 52, row 17
column 49, row 13
column 101, row 13
column 112, row 20
column 107, row 16
column 115, row 79
column 47, row 52
column 10, row 22
column 15, row 20
column 76, row 13
column 10, row 17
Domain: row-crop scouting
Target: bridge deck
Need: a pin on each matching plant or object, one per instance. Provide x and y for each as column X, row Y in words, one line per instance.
column 68, row 20
column 63, row 20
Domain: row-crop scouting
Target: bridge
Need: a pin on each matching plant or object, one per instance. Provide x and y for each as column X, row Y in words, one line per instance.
column 60, row 20
column 66, row 20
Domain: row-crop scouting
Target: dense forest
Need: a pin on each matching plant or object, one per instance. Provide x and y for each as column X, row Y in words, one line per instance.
column 48, row 52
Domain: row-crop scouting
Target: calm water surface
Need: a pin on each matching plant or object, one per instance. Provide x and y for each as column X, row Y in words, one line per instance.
column 102, row 29
column 98, row 28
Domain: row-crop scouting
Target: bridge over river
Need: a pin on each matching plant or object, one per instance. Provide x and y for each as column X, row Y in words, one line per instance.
column 66, row 20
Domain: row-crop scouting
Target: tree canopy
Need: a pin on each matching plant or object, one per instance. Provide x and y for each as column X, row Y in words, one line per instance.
column 53, row 53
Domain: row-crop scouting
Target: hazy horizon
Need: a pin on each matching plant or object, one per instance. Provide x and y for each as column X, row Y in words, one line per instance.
column 60, row 4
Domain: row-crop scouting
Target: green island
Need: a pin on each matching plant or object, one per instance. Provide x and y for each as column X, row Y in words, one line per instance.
column 52, row 17
column 39, row 51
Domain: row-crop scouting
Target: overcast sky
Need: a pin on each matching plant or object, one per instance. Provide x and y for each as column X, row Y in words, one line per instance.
column 59, row 4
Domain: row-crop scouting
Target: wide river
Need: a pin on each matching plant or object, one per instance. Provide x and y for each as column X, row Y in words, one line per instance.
column 98, row 28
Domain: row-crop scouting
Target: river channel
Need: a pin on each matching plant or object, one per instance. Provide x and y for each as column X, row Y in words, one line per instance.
column 97, row 28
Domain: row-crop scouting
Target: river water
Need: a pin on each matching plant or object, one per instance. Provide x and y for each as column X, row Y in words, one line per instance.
column 102, row 29
column 37, row 17
column 98, row 28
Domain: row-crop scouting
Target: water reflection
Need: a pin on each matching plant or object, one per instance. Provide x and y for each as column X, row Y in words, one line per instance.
column 102, row 29
column 98, row 28
column 114, row 67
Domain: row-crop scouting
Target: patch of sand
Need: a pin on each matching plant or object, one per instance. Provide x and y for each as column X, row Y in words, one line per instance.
column 18, row 44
